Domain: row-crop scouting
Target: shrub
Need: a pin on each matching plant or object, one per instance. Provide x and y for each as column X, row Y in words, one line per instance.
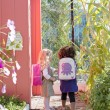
column 100, row 93
column 12, row 102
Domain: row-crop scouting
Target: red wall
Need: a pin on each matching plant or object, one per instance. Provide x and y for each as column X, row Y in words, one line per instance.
column 35, row 29
column 36, row 35
column 17, row 10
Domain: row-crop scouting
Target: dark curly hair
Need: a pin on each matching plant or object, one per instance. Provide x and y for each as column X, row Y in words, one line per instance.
column 67, row 51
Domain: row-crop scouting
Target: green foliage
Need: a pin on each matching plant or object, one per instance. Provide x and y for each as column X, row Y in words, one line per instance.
column 55, row 26
column 95, row 48
column 12, row 102
column 100, row 93
column 95, row 52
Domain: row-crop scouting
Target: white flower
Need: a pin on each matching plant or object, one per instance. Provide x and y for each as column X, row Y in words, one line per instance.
column 17, row 65
column 12, row 27
column 14, row 78
column 6, row 71
column 13, row 32
column 3, row 89
column 11, row 36
column 10, row 24
column 14, row 74
column 1, row 107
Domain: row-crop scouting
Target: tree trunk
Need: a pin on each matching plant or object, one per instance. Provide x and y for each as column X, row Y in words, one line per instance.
column 72, row 21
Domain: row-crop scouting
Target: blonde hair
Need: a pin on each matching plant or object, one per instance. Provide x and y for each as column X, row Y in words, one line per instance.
column 45, row 56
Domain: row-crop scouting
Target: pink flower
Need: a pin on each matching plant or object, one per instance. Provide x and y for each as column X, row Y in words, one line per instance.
column 1, row 63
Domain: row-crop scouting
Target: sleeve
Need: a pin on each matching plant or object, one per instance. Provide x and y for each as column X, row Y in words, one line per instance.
column 45, row 74
column 53, row 69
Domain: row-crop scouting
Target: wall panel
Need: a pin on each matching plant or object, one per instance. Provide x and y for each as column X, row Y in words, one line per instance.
column 7, row 12
column 0, row 34
column 21, row 18
column 17, row 10
column 36, row 29
column 36, row 36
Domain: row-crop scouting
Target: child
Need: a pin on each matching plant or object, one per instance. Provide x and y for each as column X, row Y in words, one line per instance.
column 68, row 87
column 45, row 58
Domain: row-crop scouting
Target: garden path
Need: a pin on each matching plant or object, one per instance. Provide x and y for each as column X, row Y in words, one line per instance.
column 55, row 101
column 37, row 103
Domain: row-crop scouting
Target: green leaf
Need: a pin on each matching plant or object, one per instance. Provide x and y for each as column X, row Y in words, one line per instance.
column 108, row 43
column 12, row 43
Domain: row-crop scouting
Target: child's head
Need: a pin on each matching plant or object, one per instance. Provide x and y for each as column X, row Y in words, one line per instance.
column 67, row 51
column 45, row 57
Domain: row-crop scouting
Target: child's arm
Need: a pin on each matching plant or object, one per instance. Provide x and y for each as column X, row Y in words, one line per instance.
column 47, row 76
column 54, row 69
column 53, row 79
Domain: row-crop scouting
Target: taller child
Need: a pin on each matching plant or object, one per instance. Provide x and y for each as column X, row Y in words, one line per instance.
column 68, row 87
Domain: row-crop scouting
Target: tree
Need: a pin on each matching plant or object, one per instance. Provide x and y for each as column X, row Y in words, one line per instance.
column 96, row 37
column 58, row 26
column 94, row 58
column 55, row 25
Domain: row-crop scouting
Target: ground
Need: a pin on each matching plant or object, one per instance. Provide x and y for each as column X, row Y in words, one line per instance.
column 37, row 103
column 55, row 101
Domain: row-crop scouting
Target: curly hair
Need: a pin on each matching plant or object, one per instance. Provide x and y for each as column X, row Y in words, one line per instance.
column 67, row 51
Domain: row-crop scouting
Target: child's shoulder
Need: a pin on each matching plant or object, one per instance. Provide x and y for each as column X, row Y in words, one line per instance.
column 67, row 59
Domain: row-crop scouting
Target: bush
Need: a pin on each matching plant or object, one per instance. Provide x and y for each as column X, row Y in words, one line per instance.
column 12, row 102
column 100, row 93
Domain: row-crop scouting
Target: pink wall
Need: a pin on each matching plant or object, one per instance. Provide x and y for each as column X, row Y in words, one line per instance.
column 36, row 35
column 17, row 10
column 35, row 29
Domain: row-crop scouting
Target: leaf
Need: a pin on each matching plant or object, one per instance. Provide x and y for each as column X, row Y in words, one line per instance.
column 18, row 46
column 12, row 43
column 108, row 43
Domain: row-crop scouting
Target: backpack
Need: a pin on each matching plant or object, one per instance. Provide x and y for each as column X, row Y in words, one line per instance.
column 67, row 69
column 37, row 74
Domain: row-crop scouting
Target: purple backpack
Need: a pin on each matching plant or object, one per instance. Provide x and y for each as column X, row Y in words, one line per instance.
column 37, row 75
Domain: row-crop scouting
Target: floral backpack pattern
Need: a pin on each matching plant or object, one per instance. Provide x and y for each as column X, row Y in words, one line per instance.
column 67, row 69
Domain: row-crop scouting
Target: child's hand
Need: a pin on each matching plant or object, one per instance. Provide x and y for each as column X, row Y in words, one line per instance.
column 56, row 71
column 53, row 79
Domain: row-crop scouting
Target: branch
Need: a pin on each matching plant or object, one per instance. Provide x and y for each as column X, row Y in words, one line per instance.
column 3, row 33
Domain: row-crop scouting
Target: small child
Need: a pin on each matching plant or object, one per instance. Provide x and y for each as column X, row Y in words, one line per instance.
column 68, row 87
column 45, row 58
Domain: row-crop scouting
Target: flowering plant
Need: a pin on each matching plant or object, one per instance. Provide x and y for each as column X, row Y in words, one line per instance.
column 11, row 103
column 8, row 63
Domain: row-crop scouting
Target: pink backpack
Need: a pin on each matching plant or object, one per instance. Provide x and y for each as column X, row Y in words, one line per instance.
column 37, row 75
